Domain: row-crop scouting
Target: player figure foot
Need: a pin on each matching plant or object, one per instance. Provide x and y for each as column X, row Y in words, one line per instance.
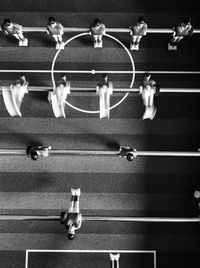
column 172, row 46
column 23, row 43
column 61, row 45
column 57, row 45
column 147, row 114
column 76, row 192
column 153, row 113
column 134, row 46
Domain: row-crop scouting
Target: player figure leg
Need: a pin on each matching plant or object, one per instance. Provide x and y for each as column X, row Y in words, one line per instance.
column 95, row 40
column 60, row 41
column 174, row 42
column 99, row 41
column 23, row 41
column 55, row 37
column 114, row 260
column 74, row 206
column 138, row 38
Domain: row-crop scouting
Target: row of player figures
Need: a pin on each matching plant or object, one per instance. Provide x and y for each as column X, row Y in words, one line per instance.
column 97, row 29
column 36, row 151
column 125, row 152
column 139, row 30
column 13, row 96
column 55, row 29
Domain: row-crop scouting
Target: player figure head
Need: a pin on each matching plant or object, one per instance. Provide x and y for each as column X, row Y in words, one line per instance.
column 186, row 21
column 71, row 232
column 141, row 20
column 52, row 20
column 97, row 22
column 7, row 22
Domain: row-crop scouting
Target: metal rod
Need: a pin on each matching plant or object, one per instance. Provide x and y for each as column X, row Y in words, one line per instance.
column 99, row 218
column 109, row 30
column 60, row 152
column 98, row 71
column 102, row 152
column 12, row 152
column 166, row 153
column 33, row 88
column 180, row 90
column 115, row 90
column 84, row 152
column 136, row 90
column 28, row 218
column 140, row 219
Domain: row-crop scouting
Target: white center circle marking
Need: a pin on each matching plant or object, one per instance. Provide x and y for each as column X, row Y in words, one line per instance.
column 93, row 72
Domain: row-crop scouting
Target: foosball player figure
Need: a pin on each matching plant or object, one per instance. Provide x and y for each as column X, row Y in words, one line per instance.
column 56, row 30
column 14, row 29
column 148, row 90
column 137, row 32
column 127, row 152
column 197, row 196
column 179, row 32
column 104, row 90
column 36, row 151
column 19, row 89
column 72, row 219
column 97, row 30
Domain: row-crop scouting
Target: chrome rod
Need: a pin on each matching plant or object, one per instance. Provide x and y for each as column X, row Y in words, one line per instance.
column 140, row 219
column 98, row 218
column 99, row 71
column 102, row 152
column 28, row 218
column 115, row 90
column 109, row 30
